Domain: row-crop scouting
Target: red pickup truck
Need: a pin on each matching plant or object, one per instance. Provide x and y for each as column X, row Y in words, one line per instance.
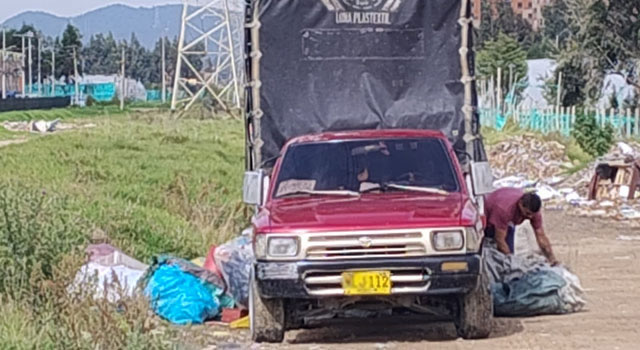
column 365, row 164
column 356, row 217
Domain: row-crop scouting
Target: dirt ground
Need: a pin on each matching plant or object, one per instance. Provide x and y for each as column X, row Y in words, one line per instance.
column 609, row 271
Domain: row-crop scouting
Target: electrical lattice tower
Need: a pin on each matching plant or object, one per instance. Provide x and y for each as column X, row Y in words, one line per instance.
column 209, row 63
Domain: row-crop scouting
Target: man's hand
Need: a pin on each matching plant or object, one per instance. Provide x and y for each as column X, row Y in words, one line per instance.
column 501, row 241
column 545, row 246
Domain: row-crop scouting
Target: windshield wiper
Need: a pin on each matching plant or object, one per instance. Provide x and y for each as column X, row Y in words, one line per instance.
column 386, row 186
column 342, row 193
column 432, row 190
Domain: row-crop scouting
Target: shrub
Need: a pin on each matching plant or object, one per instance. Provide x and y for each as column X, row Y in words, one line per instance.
column 591, row 137
column 90, row 101
column 36, row 231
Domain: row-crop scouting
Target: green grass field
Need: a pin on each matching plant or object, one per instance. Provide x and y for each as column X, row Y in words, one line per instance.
column 61, row 113
column 152, row 184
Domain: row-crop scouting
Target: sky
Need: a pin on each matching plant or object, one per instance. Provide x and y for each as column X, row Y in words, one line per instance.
column 66, row 8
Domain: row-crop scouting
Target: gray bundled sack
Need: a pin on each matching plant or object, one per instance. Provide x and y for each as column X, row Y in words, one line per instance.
column 529, row 286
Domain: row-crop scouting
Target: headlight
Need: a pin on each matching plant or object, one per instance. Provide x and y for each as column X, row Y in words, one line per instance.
column 448, row 240
column 260, row 246
column 282, row 247
column 473, row 239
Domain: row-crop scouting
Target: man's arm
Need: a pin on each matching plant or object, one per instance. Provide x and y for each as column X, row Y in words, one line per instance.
column 501, row 241
column 545, row 246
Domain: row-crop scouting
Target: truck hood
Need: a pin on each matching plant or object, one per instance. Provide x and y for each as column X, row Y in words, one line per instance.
column 368, row 212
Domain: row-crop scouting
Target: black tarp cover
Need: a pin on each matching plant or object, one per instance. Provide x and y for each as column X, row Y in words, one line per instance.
column 330, row 65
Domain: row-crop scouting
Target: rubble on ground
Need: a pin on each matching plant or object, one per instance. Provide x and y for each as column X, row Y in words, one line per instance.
column 43, row 126
column 528, row 156
column 528, row 162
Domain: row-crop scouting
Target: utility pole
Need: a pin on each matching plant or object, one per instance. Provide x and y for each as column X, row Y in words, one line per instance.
column 30, row 35
column 39, row 67
column 4, row 63
column 53, row 71
column 22, row 75
column 123, row 84
column 164, row 81
column 27, row 35
column 75, row 71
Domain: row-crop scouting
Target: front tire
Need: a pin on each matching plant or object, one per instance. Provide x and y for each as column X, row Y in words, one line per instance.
column 475, row 312
column 266, row 316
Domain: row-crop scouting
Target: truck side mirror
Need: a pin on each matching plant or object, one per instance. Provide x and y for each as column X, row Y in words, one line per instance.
column 252, row 188
column 481, row 178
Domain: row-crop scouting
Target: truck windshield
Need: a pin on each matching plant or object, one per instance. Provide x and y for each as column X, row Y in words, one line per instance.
column 365, row 166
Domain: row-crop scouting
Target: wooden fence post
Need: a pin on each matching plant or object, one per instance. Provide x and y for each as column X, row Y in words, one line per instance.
column 561, row 120
column 636, row 130
column 628, row 123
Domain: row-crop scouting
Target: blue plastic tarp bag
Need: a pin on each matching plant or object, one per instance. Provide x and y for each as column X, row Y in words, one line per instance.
column 184, row 293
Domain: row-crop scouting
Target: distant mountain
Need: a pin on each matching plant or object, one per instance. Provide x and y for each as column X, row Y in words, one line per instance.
column 149, row 24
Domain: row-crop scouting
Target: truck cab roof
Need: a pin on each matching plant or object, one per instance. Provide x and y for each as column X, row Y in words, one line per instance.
column 366, row 134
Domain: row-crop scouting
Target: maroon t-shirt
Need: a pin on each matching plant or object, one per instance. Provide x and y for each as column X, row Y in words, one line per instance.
column 502, row 209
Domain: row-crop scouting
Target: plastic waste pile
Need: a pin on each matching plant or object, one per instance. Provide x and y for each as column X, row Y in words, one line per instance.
column 180, row 291
column 528, row 156
column 528, row 286
column 110, row 272
column 527, row 162
column 184, row 293
column 233, row 260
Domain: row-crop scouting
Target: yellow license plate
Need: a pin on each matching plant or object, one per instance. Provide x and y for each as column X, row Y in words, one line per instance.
column 366, row 283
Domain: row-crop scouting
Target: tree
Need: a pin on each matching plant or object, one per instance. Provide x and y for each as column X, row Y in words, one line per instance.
column 556, row 27
column 504, row 53
column 137, row 66
column 582, row 58
column 591, row 137
column 155, row 76
column 499, row 18
column 102, row 55
column 71, row 40
column 620, row 44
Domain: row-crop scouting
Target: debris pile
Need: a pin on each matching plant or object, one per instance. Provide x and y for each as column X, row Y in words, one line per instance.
column 528, row 156
column 43, row 126
column 530, row 163
column 180, row 291
column 110, row 272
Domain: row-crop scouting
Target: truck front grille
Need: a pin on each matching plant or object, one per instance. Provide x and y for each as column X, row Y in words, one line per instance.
column 365, row 245
column 403, row 281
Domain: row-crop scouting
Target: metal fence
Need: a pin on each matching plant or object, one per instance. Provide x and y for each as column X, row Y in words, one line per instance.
column 103, row 92
column 625, row 122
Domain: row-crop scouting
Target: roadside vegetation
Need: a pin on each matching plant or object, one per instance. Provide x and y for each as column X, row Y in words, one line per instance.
column 145, row 182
